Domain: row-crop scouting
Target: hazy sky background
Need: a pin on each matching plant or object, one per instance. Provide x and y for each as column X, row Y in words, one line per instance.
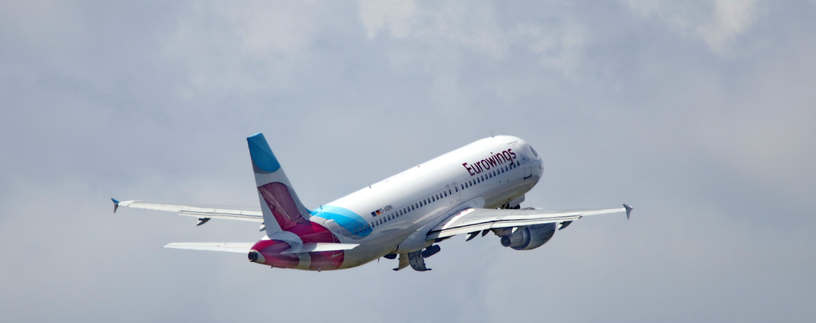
column 701, row 114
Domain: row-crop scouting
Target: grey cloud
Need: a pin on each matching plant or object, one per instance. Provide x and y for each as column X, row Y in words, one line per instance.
column 705, row 127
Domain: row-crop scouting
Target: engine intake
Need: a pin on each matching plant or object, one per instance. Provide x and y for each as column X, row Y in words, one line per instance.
column 529, row 237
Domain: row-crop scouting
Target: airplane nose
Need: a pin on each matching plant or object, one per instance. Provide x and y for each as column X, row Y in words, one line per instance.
column 255, row 256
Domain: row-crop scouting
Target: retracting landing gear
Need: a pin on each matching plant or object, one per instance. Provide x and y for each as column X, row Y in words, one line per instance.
column 415, row 259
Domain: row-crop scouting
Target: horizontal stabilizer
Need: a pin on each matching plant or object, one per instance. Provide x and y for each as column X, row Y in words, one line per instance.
column 237, row 247
column 321, row 246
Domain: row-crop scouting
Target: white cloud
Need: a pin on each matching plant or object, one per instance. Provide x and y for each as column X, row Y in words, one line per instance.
column 467, row 24
column 560, row 47
column 716, row 22
column 244, row 46
column 397, row 16
column 473, row 27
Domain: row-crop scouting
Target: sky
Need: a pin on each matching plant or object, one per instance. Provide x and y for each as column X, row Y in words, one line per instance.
column 701, row 115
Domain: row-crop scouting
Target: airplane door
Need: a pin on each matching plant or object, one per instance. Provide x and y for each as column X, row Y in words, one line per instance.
column 456, row 191
column 526, row 163
column 333, row 227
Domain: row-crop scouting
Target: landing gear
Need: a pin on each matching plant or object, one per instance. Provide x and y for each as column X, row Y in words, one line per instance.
column 507, row 206
column 415, row 259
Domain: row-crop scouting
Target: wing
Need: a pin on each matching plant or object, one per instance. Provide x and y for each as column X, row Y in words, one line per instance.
column 473, row 220
column 193, row 211
column 237, row 247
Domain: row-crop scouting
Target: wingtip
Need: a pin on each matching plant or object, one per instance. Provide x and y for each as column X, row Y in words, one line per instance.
column 115, row 204
column 628, row 210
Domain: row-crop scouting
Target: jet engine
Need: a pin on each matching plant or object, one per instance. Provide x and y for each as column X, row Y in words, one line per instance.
column 528, row 237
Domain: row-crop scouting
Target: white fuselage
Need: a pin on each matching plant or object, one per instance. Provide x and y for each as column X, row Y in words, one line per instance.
column 414, row 201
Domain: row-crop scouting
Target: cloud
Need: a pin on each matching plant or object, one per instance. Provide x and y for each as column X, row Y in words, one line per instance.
column 47, row 29
column 716, row 22
column 715, row 154
column 467, row 24
column 560, row 47
column 244, row 46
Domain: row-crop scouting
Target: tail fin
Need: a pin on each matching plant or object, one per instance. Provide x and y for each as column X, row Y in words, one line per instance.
column 281, row 206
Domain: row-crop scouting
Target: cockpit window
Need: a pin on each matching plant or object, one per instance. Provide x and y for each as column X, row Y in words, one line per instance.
column 534, row 152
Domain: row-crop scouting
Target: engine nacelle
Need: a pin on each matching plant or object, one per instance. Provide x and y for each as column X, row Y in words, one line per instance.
column 529, row 237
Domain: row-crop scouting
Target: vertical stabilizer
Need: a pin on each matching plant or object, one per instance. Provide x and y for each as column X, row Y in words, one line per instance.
column 282, row 209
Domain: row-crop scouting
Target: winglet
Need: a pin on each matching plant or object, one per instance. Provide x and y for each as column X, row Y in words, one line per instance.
column 115, row 204
column 628, row 210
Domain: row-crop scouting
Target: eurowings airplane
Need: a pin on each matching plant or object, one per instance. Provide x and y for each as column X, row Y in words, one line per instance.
column 473, row 190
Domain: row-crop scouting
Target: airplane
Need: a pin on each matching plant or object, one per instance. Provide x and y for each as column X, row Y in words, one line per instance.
column 473, row 190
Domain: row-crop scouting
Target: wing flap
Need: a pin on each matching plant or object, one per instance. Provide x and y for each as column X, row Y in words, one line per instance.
column 226, row 214
column 473, row 219
column 236, row 247
column 194, row 211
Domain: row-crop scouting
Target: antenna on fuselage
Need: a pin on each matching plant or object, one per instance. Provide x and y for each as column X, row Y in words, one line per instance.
column 491, row 134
